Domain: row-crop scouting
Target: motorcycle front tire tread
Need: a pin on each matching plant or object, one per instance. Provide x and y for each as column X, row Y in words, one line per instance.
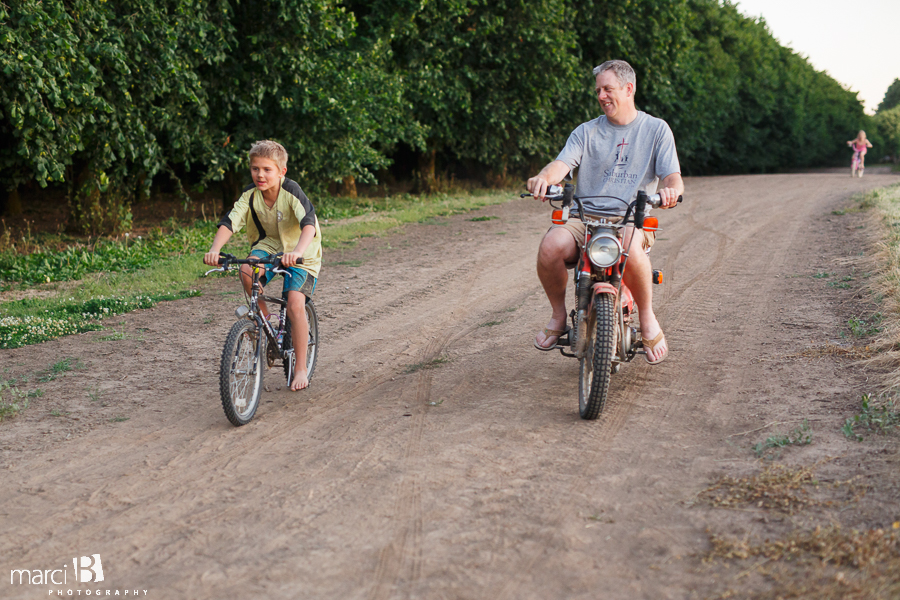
column 602, row 356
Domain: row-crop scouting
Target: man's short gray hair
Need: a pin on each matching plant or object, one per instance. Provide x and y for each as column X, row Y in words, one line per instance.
column 623, row 71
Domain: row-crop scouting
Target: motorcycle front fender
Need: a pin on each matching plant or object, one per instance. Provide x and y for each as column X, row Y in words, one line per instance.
column 603, row 287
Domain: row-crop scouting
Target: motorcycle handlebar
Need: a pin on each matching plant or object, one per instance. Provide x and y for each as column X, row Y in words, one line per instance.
column 555, row 192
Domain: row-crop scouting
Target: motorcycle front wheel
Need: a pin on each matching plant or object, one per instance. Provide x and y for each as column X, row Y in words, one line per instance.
column 241, row 372
column 596, row 366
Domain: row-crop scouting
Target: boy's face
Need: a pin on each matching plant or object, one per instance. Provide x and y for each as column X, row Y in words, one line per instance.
column 266, row 173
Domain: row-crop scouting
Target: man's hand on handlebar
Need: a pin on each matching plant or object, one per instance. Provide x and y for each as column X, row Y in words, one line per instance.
column 538, row 187
column 668, row 197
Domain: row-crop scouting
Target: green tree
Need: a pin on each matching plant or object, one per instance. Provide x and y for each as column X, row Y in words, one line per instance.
column 891, row 97
column 486, row 80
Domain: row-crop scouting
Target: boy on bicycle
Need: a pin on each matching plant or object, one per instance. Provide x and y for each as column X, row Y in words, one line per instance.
column 279, row 218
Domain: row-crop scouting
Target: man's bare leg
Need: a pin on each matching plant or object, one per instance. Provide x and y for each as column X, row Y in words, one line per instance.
column 296, row 303
column 557, row 248
column 639, row 279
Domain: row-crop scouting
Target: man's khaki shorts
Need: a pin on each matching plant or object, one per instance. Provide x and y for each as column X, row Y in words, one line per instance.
column 577, row 229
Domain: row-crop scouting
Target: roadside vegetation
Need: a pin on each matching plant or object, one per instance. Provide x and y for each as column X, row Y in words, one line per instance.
column 82, row 284
column 832, row 536
column 365, row 93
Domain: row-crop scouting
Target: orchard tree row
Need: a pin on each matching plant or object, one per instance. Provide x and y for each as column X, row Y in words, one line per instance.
column 104, row 97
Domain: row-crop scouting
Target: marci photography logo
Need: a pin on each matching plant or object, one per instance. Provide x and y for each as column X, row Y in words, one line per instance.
column 90, row 571
column 87, row 569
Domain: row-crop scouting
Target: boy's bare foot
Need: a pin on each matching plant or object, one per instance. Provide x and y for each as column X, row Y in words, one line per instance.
column 301, row 381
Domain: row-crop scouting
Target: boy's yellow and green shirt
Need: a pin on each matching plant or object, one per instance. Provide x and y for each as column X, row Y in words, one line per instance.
column 277, row 229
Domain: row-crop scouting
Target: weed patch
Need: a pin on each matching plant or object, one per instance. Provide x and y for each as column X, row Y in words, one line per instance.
column 490, row 323
column 873, row 417
column 826, row 563
column 483, row 218
column 434, row 363
column 12, row 400
column 800, row 436
column 777, row 487
column 864, row 327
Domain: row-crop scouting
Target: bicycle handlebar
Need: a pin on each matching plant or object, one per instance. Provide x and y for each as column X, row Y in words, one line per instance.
column 226, row 260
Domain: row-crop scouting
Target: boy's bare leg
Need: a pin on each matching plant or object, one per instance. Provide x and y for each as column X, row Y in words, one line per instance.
column 296, row 310
column 247, row 280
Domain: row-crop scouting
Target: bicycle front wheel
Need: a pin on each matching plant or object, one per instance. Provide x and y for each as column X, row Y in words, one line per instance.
column 241, row 372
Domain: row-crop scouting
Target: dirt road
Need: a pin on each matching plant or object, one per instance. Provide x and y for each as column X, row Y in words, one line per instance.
column 437, row 454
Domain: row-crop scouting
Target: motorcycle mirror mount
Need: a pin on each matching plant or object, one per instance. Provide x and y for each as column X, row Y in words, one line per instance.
column 568, row 194
column 639, row 209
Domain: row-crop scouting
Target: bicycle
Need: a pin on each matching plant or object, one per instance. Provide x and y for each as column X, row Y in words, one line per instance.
column 240, row 369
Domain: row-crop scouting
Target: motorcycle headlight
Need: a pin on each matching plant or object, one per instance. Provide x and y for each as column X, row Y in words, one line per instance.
column 604, row 250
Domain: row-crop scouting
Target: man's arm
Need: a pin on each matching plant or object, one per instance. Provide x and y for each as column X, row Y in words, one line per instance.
column 549, row 175
column 672, row 187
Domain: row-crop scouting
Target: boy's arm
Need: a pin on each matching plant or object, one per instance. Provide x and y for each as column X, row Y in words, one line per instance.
column 222, row 236
column 307, row 234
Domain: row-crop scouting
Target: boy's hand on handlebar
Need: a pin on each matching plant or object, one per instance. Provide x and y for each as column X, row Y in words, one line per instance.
column 668, row 197
column 289, row 259
column 211, row 259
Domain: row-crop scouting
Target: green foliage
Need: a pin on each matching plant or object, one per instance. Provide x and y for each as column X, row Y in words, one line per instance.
column 873, row 418
column 886, row 125
column 106, row 97
column 891, row 97
column 112, row 256
column 800, row 436
column 69, row 318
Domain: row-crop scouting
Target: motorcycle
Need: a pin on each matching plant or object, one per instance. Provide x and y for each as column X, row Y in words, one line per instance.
column 603, row 335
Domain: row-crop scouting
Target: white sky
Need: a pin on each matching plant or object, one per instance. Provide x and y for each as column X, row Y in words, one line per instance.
column 856, row 41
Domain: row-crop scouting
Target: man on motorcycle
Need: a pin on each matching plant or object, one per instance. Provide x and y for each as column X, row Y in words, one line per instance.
column 617, row 154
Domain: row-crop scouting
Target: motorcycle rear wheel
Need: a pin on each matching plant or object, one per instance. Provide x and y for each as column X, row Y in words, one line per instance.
column 596, row 366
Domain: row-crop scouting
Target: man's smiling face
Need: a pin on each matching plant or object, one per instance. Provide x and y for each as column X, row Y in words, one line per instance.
column 616, row 100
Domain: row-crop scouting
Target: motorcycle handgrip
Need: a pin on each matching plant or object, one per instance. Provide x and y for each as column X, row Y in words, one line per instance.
column 552, row 192
column 655, row 200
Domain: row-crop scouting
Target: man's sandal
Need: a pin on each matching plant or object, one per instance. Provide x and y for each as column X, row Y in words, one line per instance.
column 651, row 345
column 557, row 333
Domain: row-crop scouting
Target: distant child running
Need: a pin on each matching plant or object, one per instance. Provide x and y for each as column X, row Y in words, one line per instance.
column 279, row 218
column 860, row 145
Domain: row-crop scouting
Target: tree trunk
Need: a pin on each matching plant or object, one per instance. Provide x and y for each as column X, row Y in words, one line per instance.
column 427, row 182
column 13, row 203
column 231, row 189
column 348, row 187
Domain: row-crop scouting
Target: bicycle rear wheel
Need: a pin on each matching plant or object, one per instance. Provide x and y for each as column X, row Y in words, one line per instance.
column 241, row 372
column 312, row 346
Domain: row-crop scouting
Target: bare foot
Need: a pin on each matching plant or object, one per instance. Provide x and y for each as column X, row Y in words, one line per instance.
column 547, row 341
column 301, row 381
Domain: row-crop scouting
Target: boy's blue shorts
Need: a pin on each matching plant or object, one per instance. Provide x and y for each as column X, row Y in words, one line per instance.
column 297, row 279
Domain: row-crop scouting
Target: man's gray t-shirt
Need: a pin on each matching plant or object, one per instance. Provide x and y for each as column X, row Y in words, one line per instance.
column 618, row 160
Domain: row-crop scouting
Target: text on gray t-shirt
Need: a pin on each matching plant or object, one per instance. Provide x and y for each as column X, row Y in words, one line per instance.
column 618, row 160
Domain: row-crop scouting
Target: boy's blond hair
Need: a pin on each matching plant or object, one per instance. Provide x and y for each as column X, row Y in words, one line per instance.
column 271, row 150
